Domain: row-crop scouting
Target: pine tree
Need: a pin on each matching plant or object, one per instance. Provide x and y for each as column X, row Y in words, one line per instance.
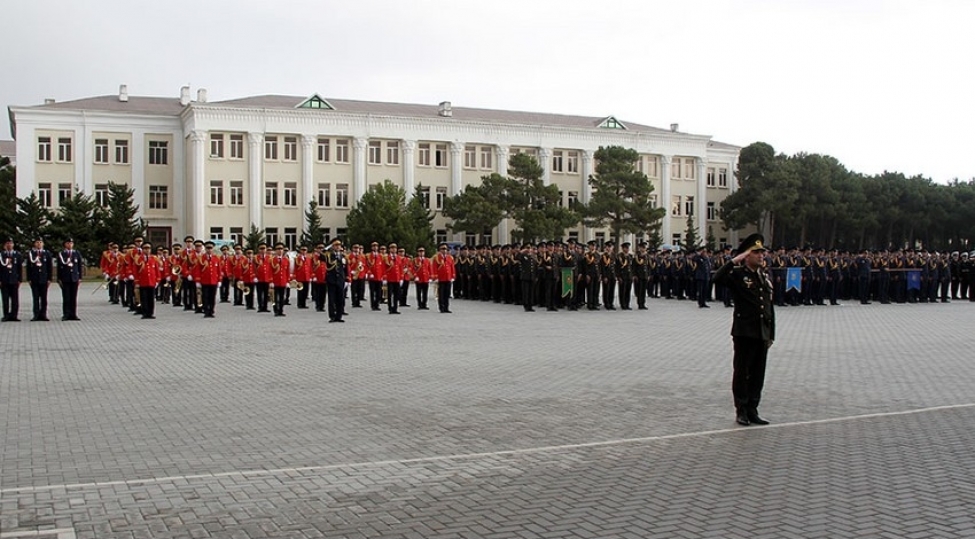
column 313, row 234
column 690, row 234
column 254, row 238
column 32, row 220
column 120, row 223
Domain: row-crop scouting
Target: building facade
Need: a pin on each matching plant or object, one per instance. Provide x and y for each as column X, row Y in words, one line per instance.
column 212, row 169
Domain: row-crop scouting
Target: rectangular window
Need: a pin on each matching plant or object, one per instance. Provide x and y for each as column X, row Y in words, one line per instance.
column 291, row 148
column 470, row 157
column 43, row 149
column 290, row 237
column 561, row 198
column 557, row 157
column 271, row 149
column 325, row 195
column 101, row 195
column 121, row 152
column 423, row 154
column 573, row 198
column 270, row 194
column 689, row 205
column 425, row 196
column 237, row 235
column 675, row 168
column 675, row 207
column 487, row 159
column 291, row 194
column 101, row 151
column 324, row 150
column 327, row 231
column 441, row 197
column 600, row 238
column 271, row 235
column 158, row 153
column 392, row 153
column 652, row 166
column 572, row 162
column 723, row 178
column 216, row 192
column 574, row 235
column 342, row 195
column 236, row 193
column 216, row 145
column 64, row 149
column 44, row 194
column 712, row 212
column 470, row 239
column 440, row 156
column 675, row 239
column 237, row 146
column 653, row 200
column 64, row 193
column 158, row 197
column 441, row 236
column 375, row 152
column 710, row 178
column 342, row 151
column 216, row 233
column 689, row 169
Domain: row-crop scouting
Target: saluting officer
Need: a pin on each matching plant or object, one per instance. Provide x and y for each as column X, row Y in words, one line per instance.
column 40, row 272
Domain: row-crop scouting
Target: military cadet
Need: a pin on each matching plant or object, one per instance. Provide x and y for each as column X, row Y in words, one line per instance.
column 445, row 272
column 482, row 271
column 248, row 274
column 40, row 272
column 404, row 291
column 303, row 275
column 641, row 275
column 393, row 278
column 607, row 274
column 568, row 263
column 357, row 269
column 336, row 277
column 954, row 268
column 209, row 275
column 110, row 266
column 71, row 268
column 863, row 267
column 11, row 270
column 753, row 327
column 227, row 274
column 148, row 270
column 264, row 275
column 968, row 274
column 702, row 276
column 281, row 276
column 965, row 268
column 547, row 268
column 188, row 289
column 944, row 265
column 625, row 275
column 176, row 274
column 165, row 286
column 422, row 271
column 590, row 270
column 834, row 277
column 375, row 266
column 236, row 261
column 528, row 265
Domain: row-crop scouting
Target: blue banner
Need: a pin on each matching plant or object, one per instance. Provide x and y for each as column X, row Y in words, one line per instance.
column 914, row 280
column 793, row 279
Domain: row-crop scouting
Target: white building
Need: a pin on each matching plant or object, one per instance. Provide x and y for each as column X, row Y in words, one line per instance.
column 211, row 169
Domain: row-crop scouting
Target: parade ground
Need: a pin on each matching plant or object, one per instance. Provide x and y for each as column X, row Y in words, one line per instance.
column 487, row 422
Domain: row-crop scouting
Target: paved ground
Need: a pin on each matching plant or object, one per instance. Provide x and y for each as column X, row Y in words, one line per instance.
column 489, row 422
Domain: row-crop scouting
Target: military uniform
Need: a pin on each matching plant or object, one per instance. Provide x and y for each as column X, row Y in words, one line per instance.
column 11, row 269
column 70, row 272
column 40, row 272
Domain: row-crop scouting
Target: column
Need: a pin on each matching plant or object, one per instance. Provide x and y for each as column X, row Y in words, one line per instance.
column 545, row 160
column 359, row 167
column 307, row 173
column 139, row 159
column 255, row 162
column 456, row 156
column 732, row 188
column 702, row 200
column 665, row 201
column 586, row 195
column 197, row 182
column 409, row 168
column 501, row 154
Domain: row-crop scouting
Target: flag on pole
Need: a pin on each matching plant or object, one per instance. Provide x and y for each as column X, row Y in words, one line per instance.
column 568, row 282
column 914, row 280
column 793, row 279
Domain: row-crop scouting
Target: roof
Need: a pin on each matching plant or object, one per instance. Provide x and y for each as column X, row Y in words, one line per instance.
column 111, row 103
column 8, row 149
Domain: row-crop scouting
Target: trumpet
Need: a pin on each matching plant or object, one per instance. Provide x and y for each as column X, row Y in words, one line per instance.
column 176, row 270
column 296, row 285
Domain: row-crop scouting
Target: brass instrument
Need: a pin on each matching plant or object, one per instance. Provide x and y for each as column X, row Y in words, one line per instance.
column 385, row 294
column 242, row 287
column 199, row 296
column 296, row 285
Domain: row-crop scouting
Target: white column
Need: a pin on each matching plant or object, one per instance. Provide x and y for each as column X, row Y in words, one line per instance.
column 307, row 172
column 409, row 168
column 732, row 188
column 86, row 151
column 702, row 200
column 198, row 182
column 501, row 154
column 456, row 155
column 586, row 195
column 545, row 160
column 255, row 163
column 665, row 197
column 359, row 167
column 138, row 162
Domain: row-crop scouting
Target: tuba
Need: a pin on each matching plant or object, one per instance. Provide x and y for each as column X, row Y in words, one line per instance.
column 242, row 287
column 296, row 285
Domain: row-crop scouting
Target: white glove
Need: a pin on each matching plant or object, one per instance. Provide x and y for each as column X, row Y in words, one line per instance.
column 131, row 277
column 189, row 278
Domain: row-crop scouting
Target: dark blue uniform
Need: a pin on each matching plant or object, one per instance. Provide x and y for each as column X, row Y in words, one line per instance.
column 11, row 266
column 40, row 272
column 70, row 272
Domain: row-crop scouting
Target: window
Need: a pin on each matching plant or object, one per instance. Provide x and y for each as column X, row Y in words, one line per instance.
column 101, row 195
column 64, row 193
column 44, row 194
column 342, row 195
column 675, row 167
column 324, row 150
column 712, row 212
column 392, row 153
column 291, row 194
column 290, row 237
column 158, row 153
column 121, row 152
column 271, row 234
column 342, row 151
column 573, row 198
column 470, row 239
column 710, row 178
column 158, row 197
column 375, row 152
column 689, row 205
column 470, row 157
column 270, row 194
column 327, row 232
column 441, row 236
column 43, row 149
column 689, row 169
column 723, row 178
column 561, row 198
column 236, row 193
column 653, row 200
column 271, row 149
column 441, row 197
column 423, row 154
column 64, row 149
column 572, row 162
column 653, row 164
column 425, row 196
column 216, row 192
column 440, row 156
column 340, row 232
column 557, row 161
column 675, row 207
column 216, row 145
column 600, row 238
column 574, row 235
column 101, row 151
column 675, row 239
column 237, row 235
column 237, row 147
column 291, row 148
column 486, row 158
column 324, row 195
column 216, row 233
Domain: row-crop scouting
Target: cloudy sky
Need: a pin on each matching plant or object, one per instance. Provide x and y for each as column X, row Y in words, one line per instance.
column 880, row 85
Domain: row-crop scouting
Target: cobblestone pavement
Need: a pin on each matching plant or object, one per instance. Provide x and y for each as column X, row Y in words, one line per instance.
column 488, row 422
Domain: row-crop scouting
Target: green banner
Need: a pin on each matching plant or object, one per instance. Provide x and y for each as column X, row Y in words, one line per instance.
column 568, row 282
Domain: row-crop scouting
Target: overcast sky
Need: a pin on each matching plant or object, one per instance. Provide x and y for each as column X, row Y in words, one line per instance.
column 880, row 85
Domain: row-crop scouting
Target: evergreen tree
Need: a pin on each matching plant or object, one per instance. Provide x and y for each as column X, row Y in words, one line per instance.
column 690, row 234
column 120, row 223
column 75, row 220
column 254, row 238
column 621, row 194
column 32, row 220
column 379, row 216
column 8, row 199
column 313, row 234
column 419, row 224
column 712, row 241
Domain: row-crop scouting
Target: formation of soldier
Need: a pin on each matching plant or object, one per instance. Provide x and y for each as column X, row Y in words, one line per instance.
column 66, row 268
